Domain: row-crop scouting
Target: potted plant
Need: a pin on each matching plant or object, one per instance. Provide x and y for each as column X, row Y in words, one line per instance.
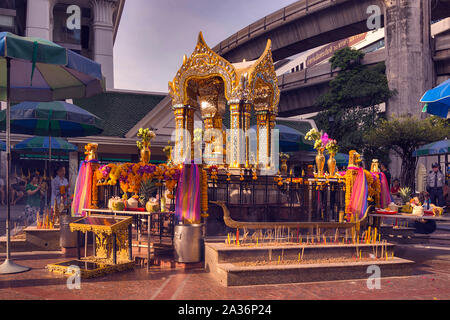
column 320, row 141
column 332, row 149
column 146, row 136
column 284, row 157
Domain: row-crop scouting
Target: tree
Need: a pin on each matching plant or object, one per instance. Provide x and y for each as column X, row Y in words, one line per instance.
column 350, row 107
column 405, row 134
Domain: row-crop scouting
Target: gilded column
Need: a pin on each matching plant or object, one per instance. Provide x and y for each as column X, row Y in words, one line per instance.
column 180, row 127
column 263, row 119
column 236, row 125
column 246, row 126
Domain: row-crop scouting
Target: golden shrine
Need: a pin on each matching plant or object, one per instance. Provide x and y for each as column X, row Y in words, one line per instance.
column 207, row 83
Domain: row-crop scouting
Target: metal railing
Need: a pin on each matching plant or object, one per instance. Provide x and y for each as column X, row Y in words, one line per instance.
column 265, row 200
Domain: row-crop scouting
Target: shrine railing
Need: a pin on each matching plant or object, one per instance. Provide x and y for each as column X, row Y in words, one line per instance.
column 274, row 198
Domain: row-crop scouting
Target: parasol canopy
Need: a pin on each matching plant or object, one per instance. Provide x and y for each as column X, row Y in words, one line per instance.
column 56, row 119
column 42, row 144
column 437, row 100
column 434, row 148
column 45, row 71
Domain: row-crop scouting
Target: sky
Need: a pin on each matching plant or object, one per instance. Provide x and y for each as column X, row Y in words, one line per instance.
column 154, row 35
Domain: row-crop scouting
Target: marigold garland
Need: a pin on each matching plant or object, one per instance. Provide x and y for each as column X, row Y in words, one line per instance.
column 130, row 176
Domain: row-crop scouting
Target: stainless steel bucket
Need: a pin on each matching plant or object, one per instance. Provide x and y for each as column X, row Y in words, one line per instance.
column 188, row 242
column 67, row 239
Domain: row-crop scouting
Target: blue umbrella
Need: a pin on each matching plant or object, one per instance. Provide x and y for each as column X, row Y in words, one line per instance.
column 42, row 144
column 437, row 100
column 291, row 140
column 56, row 119
column 341, row 158
column 2, row 146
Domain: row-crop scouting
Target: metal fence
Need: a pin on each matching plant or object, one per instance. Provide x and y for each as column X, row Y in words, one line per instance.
column 264, row 199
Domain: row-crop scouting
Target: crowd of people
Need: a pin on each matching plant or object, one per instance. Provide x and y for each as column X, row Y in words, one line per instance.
column 34, row 193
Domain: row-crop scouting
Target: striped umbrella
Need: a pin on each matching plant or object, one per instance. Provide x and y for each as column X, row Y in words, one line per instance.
column 56, row 119
column 2, row 146
column 39, row 70
column 45, row 71
column 434, row 148
column 42, row 144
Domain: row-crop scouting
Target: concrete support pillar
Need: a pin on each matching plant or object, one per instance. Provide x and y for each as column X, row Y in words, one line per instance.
column 38, row 19
column 103, row 37
column 409, row 64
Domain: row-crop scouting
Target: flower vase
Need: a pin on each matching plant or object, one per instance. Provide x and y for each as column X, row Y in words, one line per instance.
column 320, row 162
column 284, row 166
column 331, row 165
column 145, row 154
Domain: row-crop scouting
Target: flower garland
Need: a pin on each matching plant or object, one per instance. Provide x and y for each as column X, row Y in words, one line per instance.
column 130, row 176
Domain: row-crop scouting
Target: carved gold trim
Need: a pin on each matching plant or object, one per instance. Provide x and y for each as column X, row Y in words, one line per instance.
column 203, row 63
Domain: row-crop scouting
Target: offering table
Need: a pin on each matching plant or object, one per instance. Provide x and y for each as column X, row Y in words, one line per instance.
column 111, row 244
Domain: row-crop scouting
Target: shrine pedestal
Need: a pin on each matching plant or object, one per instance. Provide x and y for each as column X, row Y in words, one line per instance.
column 276, row 264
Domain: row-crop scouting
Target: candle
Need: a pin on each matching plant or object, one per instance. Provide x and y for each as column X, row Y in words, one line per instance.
column 299, row 257
column 278, row 259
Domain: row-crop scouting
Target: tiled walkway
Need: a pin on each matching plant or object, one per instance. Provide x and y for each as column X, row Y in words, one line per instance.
column 431, row 280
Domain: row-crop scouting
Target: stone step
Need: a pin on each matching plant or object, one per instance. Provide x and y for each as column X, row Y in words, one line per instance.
column 33, row 239
column 229, row 274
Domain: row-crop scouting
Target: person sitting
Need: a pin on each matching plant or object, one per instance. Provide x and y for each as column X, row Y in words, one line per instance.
column 17, row 188
column 395, row 190
column 33, row 204
column 424, row 198
column 60, row 187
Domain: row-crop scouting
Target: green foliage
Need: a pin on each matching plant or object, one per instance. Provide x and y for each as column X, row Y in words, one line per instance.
column 352, row 103
column 405, row 134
